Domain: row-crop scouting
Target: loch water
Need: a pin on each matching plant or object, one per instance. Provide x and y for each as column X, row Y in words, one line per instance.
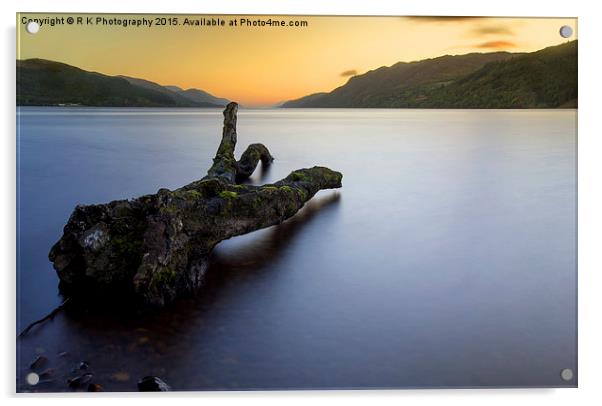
column 447, row 259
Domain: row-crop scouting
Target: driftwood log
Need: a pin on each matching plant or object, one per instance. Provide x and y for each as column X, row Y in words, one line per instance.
column 156, row 247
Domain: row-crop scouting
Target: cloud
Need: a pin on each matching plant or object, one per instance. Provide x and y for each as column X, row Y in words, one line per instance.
column 496, row 44
column 492, row 29
column 350, row 72
column 449, row 19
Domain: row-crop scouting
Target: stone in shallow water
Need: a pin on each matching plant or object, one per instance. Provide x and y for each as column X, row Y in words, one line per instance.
column 152, row 384
column 80, row 380
column 94, row 387
column 39, row 361
column 47, row 373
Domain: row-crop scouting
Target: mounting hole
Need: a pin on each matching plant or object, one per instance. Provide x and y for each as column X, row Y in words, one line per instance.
column 32, row 378
column 566, row 31
column 32, row 27
column 566, row 374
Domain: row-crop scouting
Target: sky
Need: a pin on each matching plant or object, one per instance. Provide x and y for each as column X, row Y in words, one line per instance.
column 263, row 65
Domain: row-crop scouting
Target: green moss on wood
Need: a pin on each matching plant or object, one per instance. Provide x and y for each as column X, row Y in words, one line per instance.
column 299, row 176
column 226, row 194
column 163, row 277
column 302, row 194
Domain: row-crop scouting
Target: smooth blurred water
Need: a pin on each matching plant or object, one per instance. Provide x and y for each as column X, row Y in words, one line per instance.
column 448, row 258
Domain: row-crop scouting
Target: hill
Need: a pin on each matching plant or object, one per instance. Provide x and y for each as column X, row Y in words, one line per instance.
column 198, row 96
column 546, row 78
column 542, row 79
column 46, row 83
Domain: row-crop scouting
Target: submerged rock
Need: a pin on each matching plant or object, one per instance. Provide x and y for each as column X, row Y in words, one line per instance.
column 94, row 387
column 157, row 247
column 47, row 373
column 80, row 380
column 152, row 384
column 38, row 362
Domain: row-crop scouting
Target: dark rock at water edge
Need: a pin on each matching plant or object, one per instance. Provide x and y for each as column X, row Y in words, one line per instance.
column 80, row 380
column 38, row 362
column 94, row 387
column 47, row 373
column 152, row 384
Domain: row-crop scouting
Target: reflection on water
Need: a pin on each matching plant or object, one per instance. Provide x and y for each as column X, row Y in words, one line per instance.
column 448, row 257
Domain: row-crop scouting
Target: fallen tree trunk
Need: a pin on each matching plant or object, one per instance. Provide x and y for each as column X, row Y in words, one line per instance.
column 156, row 247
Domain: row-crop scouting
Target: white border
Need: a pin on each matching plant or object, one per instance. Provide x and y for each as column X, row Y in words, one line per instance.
column 590, row 158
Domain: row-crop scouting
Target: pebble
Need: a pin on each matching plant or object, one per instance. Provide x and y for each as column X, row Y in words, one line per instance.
column 152, row 384
column 80, row 380
column 39, row 361
column 47, row 373
column 94, row 387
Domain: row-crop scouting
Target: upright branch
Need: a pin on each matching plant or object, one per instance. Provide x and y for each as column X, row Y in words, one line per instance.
column 157, row 247
column 224, row 163
column 225, row 166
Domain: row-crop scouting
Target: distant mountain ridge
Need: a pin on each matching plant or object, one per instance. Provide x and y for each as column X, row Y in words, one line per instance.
column 198, row 95
column 541, row 79
column 42, row 82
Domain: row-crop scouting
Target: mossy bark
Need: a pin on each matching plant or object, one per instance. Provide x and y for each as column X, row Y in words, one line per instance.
column 156, row 247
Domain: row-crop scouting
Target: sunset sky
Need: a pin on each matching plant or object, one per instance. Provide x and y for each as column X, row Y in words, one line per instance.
column 259, row 66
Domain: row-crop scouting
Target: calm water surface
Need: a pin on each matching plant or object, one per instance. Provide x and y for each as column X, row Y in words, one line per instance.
column 448, row 258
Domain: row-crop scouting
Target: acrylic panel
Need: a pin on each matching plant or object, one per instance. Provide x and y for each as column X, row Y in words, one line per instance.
column 295, row 202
